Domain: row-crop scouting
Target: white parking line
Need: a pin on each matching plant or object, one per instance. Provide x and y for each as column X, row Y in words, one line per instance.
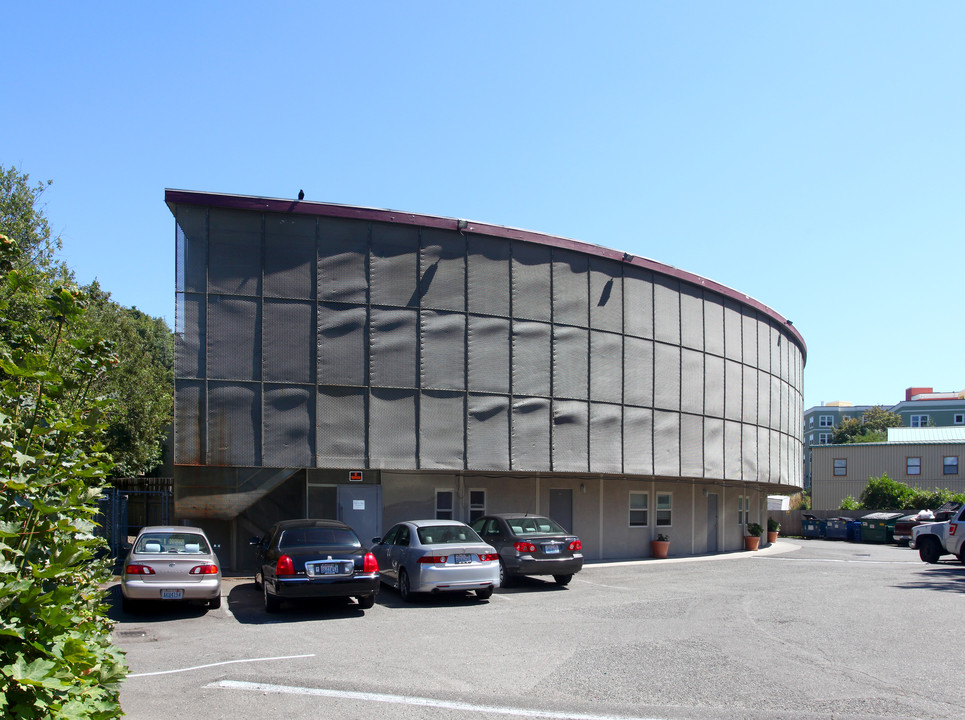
column 217, row 664
column 417, row 701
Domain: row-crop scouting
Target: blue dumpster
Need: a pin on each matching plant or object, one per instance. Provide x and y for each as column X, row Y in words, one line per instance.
column 837, row 528
column 854, row 531
column 812, row 527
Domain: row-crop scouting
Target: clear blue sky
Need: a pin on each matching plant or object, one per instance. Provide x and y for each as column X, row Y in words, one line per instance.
column 807, row 154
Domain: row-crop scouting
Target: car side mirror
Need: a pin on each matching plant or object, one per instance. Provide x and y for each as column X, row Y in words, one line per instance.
column 377, row 540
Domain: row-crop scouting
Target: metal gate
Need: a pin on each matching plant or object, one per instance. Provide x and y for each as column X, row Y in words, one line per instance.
column 123, row 512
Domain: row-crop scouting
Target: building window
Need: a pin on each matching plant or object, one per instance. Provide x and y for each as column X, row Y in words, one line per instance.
column 477, row 504
column 811, row 422
column 444, row 505
column 639, row 504
column 951, row 465
column 824, row 438
column 664, row 509
column 743, row 509
column 960, row 418
column 826, row 421
column 840, row 467
column 919, row 421
column 913, row 466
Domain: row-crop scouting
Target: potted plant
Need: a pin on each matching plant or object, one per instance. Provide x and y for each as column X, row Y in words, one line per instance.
column 660, row 547
column 773, row 527
column 752, row 536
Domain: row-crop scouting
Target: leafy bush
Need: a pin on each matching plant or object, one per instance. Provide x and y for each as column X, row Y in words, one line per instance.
column 849, row 503
column 883, row 493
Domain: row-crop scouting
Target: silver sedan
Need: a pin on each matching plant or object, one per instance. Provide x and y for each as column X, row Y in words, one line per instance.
column 436, row 556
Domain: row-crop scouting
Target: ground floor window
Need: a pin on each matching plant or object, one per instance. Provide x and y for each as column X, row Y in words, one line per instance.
column 639, row 507
column 477, row 504
column 951, row 465
column 743, row 509
column 913, row 465
column 444, row 504
column 840, row 467
column 664, row 509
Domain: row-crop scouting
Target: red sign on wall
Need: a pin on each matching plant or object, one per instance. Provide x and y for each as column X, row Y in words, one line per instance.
column 355, row 476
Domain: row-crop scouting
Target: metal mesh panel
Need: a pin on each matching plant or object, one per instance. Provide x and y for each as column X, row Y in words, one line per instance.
column 732, row 450
column 443, row 350
column 749, row 337
column 777, row 390
column 570, row 288
column 570, row 362
column 666, row 443
column 343, row 251
column 192, row 251
column 713, row 325
column 763, row 399
column 340, row 427
column 342, row 344
column 638, row 302
column 691, row 317
column 488, row 268
column 666, row 382
column 606, row 438
column 234, row 338
column 532, row 288
column 290, row 256
column 606, row 295
column 713, row 386
column 691, row 446
column 570, row 436
column 733, row 392
column 487, row 433
column 289, row 426
column 532, row 350
column 637, row 440
column 289, row 341
column 713, row 448
column 764, row 454
column 692, row 381
column 234, row 424
column 234, row 249
column 189, row 420
column 190, row 342
column 392, row 428
column 442, row 281
column 394, row 265
column 606, row 367
column 751, row 464
column 638, row 371
column 394, row 348
column 489, row 345
column 765, row 338
column 441, row 440
column 732, row 331
column 666, row 310
column 531, row 433
column 749, row 414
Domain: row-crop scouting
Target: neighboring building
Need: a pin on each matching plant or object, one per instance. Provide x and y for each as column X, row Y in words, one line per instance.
column 926, row 458
column 373, row 366
column 922, row 407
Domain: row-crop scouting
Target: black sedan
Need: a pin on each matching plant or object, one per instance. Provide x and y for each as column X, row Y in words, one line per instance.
column 531, row 545
column 299, row 559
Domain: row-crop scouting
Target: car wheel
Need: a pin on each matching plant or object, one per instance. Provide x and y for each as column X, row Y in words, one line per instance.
column 404, row 589
column 365, row 601
column 928, row 551
column 504, row 576
column 272, row 603
column 562, row 580
column 214, row 603
column 484, row 594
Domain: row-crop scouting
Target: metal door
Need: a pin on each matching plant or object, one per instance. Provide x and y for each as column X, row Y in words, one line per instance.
column 712, row 522
column 561, row 508
column 360, row 507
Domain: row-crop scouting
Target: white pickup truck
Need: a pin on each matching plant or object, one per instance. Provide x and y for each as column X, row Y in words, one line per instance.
column 941, row 538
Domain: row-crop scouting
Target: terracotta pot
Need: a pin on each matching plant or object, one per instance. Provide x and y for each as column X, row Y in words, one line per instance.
column 752, row 542
column 772, row 536
column 659, row 548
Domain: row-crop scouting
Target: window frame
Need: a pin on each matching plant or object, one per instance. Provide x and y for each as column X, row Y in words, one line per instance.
column 946, row 465
column 913, row 468
column 918, row 421
column 452, row 504
column 959, row 419
column 743, row 509
column 476, row 510
column 658, row 521
column 826, row 421
column 843, row 468
column 645, row 509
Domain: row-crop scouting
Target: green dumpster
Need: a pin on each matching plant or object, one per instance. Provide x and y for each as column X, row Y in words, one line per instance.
column 879, row 527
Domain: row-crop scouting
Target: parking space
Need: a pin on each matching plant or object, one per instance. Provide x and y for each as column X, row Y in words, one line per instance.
column 809, row 629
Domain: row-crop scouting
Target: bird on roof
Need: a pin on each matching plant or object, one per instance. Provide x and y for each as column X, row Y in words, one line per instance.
column 301, row 194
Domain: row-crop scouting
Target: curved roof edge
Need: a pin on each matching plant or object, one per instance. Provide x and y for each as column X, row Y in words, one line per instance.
column 305, row 207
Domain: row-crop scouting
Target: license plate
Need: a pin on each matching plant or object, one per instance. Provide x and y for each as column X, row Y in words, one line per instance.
column 172, row 594
column 551, row 549
column 462, row 559
column 322, row 569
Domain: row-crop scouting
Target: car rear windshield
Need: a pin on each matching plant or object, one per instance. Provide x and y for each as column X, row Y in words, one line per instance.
column 187, row 543
column 309, row 537
column 444, row 534
column 534, row 526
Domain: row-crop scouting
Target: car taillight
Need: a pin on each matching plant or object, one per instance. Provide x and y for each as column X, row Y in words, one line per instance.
column 139, row 570
column 284, row 566
column 489, row 557
column 525, row 547
column 952, row 527
column 576, row 545
column 204, row 570
column 370, row 564
column 433, row 559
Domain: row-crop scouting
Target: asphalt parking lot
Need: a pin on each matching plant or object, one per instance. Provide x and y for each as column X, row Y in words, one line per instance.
column 804, row 629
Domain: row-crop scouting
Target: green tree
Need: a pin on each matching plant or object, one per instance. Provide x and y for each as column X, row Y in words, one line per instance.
column 883, row 493
column 872, row 427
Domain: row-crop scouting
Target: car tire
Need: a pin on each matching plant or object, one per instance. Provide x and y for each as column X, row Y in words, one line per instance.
column 484, row 594
column 504, row 577
column 272, row 603
column 928, row 550
column 365, row 601
column 405, row 590
column 214, row 603
column 562, row 580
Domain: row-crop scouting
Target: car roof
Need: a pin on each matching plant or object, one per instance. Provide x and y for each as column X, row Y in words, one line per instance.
column 510, row 516
column 309, row 522
column 432, row 522
column 170, row 529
